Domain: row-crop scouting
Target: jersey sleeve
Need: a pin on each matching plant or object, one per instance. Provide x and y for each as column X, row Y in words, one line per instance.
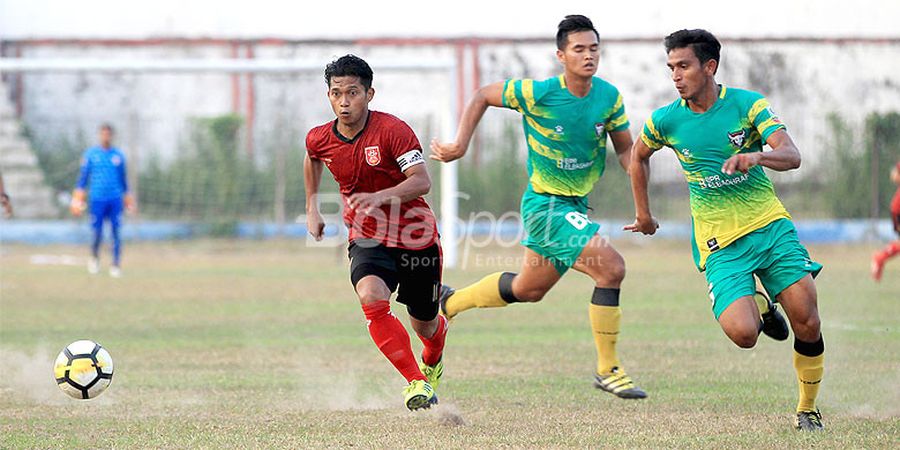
column 84, row 172
column 405, row 146
column 762, row 118
column 618, row 120
column 653, row 134
column 312, row 146
column 523, row 94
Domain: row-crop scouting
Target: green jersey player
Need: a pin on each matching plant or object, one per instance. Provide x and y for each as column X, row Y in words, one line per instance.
column 740, row 228
column 566, row 119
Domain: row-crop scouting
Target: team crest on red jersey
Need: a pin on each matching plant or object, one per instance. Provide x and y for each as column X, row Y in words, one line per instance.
column 373, row 155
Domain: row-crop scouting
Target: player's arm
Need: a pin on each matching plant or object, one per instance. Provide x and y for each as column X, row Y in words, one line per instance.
column 128, row 197
column 783, row 156
column 416, row 184
column 312, row 178
column 490, row 95
column 644, row 222
column 622, row 143
column 78, row 204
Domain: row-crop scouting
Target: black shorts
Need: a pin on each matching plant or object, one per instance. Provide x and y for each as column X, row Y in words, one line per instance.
column 417, row 273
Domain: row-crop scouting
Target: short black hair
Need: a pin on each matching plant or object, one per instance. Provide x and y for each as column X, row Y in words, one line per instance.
column 107, row 126
column 349, row 66
column 702, row 42
column 572, row 24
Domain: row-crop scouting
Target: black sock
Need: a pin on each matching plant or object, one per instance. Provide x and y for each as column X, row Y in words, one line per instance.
column 606, row 296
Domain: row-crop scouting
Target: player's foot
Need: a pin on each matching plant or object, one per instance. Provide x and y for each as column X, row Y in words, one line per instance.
column 446, row 292
column 774, row 325
column 433, row 373
column 93, row 266
column 809, row 421
column 618, row 383
column 115, row 272
column 877, row 266
column 419, row 395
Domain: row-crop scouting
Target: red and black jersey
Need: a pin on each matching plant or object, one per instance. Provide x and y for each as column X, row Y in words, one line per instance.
column 374, row 160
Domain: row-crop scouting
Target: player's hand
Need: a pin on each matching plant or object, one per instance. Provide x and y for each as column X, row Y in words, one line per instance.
column 315, row 223
column 646, row 225
column 446, row 151
column 365, row 202
column 130, row 204
column 742, row 162
column 78, row 204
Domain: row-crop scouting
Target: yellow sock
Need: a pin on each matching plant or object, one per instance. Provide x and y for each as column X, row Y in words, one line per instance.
column 809, row 376
column 605, row 323
column 483, row 294
column 761, row 303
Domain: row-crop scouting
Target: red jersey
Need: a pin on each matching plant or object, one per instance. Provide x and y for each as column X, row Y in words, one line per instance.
column 895, row 210
column 374, row 160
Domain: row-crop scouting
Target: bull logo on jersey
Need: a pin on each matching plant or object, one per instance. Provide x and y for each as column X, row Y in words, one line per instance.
column 737, row 138
column 598, row 127
column 373, row 155
column 116, row 160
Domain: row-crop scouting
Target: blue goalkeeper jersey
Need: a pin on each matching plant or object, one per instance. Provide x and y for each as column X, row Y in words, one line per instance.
column 103, row 173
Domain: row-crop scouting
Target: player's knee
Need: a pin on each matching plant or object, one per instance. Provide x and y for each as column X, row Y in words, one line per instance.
column 807, row 328
column 745, row 339
column 744, row 336
column 610, row 273
column 616, row 272
column 531, row 295
column 370, row 294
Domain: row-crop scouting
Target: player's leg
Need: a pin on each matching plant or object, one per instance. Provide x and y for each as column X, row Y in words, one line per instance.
column 419, row 275
column 800, row 302
column 374, row 277
column 732, row 289
column 499, row 289
column 882, row 256
column 740, row 320
column 788, row 275
column 600, row 261
column 115, row 214
column 98, row 213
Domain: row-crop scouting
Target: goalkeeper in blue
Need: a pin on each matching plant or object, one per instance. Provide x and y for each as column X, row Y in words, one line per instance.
column 102, row 189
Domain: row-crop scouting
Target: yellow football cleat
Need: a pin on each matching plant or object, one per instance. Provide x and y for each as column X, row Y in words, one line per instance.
column 619, row 384
column 433, row 373
column 419, row 395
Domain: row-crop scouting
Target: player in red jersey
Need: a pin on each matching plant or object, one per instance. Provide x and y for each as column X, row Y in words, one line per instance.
column 892, row 249
column 377, row 161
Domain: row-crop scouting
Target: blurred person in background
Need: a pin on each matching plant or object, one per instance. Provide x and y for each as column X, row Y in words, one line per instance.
column 4, row 200
column 102, row 189
column 892, row 249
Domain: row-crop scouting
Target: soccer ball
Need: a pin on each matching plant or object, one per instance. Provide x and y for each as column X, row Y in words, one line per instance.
column 83, row 369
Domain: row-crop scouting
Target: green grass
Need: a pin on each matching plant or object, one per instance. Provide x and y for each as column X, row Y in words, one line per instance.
column 224, row 344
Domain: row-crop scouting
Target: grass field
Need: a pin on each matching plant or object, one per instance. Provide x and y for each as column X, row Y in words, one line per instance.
column 247, row 344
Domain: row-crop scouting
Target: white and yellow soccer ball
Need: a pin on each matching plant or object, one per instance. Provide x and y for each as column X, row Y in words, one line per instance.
column 83, row 369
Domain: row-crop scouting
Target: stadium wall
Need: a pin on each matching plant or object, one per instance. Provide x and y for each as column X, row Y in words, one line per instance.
column 805, row 79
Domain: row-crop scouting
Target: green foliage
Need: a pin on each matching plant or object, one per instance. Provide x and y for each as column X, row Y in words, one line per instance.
column 496, row 181
column 210, row 181
column 59, row 158
column 858, row 183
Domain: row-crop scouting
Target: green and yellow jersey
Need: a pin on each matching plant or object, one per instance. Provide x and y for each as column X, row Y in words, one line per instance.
column 723, row 207
column 566, row 135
